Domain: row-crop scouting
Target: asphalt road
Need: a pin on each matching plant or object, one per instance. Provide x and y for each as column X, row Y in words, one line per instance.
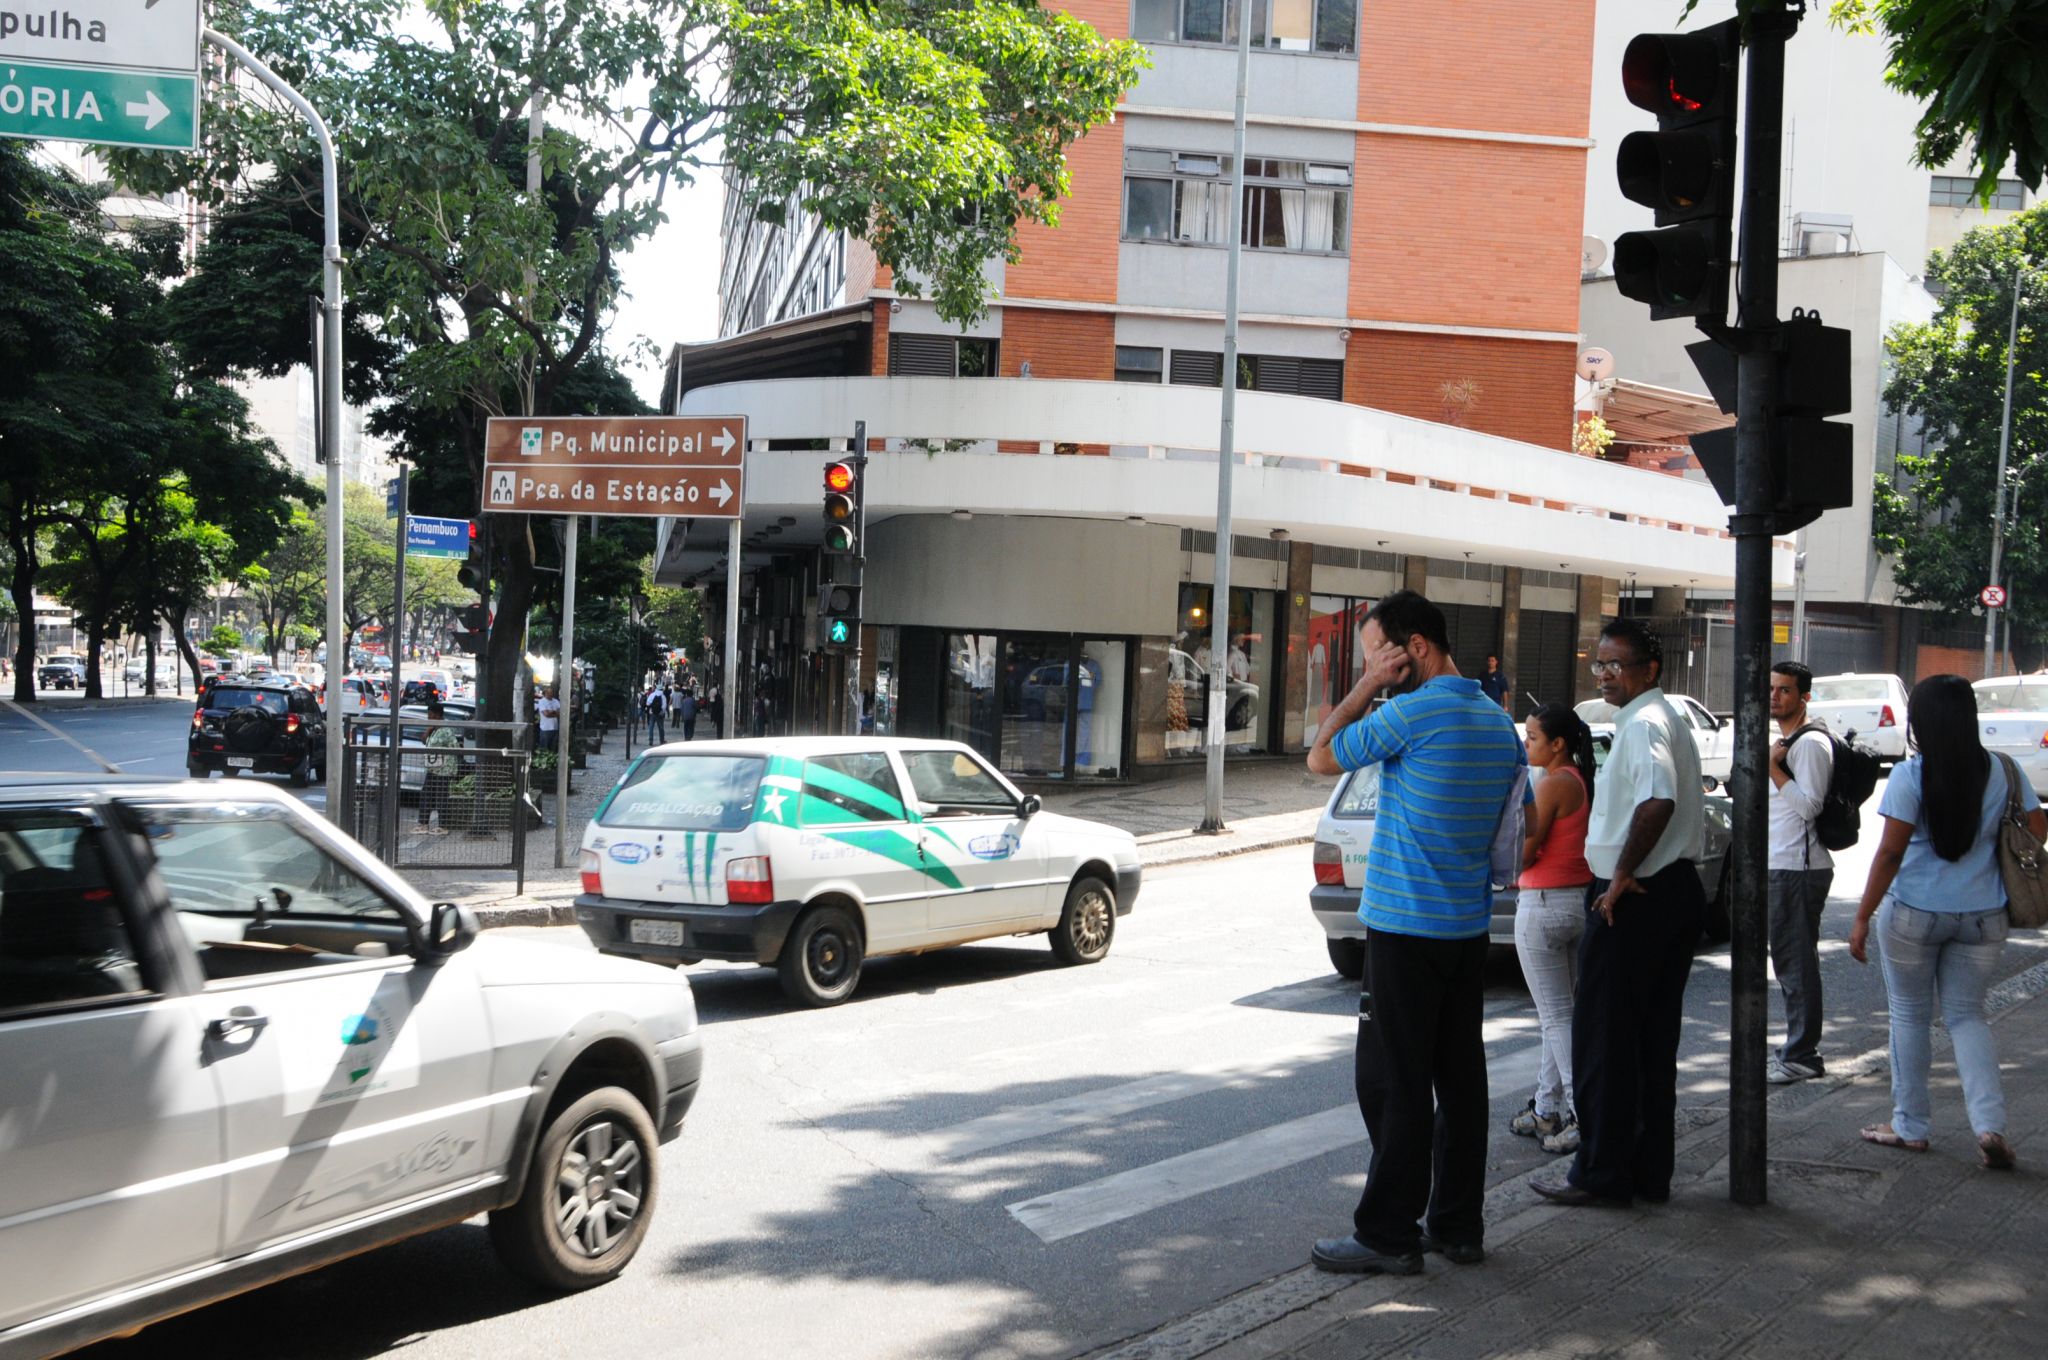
column 986, row 1154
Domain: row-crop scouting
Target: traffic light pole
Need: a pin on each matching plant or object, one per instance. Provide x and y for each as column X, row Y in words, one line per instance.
column 1757, row 377
column 394, row 643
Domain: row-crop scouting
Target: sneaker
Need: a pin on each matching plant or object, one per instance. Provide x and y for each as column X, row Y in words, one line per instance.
column 1530, row 1124
column 1566, row 1139
column 1782, row 1073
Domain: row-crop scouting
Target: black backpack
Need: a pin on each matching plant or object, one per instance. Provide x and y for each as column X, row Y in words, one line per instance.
column 1854, row 780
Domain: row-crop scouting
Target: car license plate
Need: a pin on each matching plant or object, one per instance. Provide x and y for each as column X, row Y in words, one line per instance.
column 655, row 932
column 242, row 762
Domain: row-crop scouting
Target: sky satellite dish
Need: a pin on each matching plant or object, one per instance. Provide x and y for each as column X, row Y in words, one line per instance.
column 1592, row 254
column 1596, row 365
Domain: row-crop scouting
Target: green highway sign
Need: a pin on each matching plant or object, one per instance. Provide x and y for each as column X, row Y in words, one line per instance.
column 153, row 109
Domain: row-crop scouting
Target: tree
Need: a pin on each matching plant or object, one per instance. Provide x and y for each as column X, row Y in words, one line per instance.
column 931, row 129
column 1934, row 516
column 224, row 641
column 288, row 582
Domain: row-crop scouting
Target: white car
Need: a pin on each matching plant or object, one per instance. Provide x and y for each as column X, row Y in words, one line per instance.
column 1714, row 736
column 2012, row 716
column 1344, row 842
column 815, row 853
column 1868, row 711
column 235, row 1047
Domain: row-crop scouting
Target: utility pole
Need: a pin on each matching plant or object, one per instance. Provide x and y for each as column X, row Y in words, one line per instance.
column 565, row 670
column 1753, row 524
column 2012, row 332
column 394, row 641
column 1219, row 600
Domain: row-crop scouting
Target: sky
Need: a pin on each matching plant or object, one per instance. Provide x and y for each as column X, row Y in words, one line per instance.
column 671, row 281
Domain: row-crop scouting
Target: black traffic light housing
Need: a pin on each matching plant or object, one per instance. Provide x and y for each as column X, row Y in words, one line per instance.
column 1813, row 459
column 839, row 616
column 476, row 622
column 1685, row 171
column 842, row 508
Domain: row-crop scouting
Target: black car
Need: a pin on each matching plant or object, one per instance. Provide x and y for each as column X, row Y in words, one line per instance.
column 260, row 726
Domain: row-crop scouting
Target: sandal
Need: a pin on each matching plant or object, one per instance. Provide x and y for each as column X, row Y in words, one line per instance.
column 1997, row 1153
column 1882, row 1135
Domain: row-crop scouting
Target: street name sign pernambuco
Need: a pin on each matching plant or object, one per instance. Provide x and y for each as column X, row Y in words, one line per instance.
column 110, row 72
column 687, row 466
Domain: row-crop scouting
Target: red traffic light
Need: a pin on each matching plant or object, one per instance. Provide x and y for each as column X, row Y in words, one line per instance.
column 839, row 476
column 1674, row 75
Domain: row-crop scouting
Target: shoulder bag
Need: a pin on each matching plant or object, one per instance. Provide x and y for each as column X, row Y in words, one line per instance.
column 2022, row 862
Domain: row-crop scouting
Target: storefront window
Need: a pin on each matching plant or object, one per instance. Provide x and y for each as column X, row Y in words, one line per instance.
column 1099, row 711
column 1248, row 672
column 880, row 718
column 1036, row 705
column 1333, row 659
column 969, row 703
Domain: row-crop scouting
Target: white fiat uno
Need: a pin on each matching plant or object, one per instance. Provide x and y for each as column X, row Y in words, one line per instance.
column 814, row 853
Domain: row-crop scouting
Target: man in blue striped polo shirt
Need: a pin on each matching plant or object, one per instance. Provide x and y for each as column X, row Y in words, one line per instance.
column 1449, row 758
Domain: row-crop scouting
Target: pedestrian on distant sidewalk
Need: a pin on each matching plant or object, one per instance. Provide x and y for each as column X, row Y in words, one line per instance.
column 1550, row 912
column 686, row 714
column 1800, row 870
column 549, row 710
column 655, row 705
column 1449, row 761
column 1642, row 844
column 1936, row 877
column 1494, row 684
column 442, row 768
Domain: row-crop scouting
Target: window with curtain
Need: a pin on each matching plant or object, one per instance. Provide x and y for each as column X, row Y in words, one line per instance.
column 1329, row 26
column 1290, row 205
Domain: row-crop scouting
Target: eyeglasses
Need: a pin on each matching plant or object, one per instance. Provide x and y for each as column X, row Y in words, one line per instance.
column 1600, row 668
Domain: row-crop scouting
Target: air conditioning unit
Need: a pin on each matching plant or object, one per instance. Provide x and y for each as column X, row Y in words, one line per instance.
column 1823, row 234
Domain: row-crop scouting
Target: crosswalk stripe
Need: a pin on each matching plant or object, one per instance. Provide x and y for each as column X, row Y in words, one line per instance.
column 1111, row 1199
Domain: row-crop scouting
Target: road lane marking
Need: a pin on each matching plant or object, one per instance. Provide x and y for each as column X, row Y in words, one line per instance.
column 1140, row 1190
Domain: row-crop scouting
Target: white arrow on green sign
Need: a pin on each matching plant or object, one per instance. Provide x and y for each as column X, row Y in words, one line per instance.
column 157, row 110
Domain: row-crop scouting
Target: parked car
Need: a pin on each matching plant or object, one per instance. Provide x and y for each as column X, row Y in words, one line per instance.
column 1871, row 709
column 235, row 1047
column 258, row 727
column 814, row 854
column 1344, row 842
column 1191, row 678
column 1713, row 735
column 61, row 672
column 2012, row 716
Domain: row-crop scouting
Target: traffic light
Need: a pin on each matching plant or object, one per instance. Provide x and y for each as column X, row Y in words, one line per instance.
column 476, row 622
column 839, row 615
column 842, row 508
column 1684, row 171
column 475, row 572
column 1812, row 458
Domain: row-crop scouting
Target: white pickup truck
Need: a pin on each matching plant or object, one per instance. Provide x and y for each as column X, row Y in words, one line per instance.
column 1714, row 736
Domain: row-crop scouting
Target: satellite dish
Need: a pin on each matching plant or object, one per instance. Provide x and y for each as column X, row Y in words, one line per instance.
column 1596, row 365
column 1592, row 254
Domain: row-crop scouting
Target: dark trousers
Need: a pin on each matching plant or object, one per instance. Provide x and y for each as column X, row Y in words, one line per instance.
column 655, row 735
column 1421, row 1070
column 1625, row 1028
column 434, row 797
column 1798, row 897
column 689, row 729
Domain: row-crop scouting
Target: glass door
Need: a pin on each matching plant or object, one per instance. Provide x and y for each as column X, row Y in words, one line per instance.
column 1037, row 704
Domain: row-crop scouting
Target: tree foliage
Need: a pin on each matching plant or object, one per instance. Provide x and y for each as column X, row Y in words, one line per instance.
column 1935, row 516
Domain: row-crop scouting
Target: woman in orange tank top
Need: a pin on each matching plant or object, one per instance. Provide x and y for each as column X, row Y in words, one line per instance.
column 1550, row 911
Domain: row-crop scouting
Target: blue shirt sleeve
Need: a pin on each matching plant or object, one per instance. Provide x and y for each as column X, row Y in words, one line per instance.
column 1901, row 801
column 1379, row 735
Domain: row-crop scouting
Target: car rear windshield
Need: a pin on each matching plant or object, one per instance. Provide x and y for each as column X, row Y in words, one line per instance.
column 1362, row 795
column 269, row 699
column 685, row 793
column 2011, row 696
column 1849, row 691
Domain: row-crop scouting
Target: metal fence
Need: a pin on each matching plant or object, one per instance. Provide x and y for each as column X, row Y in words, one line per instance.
column 466, row 807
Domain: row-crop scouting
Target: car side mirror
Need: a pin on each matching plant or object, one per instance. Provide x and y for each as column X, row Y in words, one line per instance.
column 451, row 927
column 1709, row 783
column 1029, row 805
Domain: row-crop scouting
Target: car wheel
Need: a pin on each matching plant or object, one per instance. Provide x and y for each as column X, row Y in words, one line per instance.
column 820, row 962
column 1719, row 924
column 1348, row 957
column 589, row 1194
column 300, row 774
column 1088, row 923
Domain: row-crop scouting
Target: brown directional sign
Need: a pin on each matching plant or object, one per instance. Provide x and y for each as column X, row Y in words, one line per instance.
column 693, row 466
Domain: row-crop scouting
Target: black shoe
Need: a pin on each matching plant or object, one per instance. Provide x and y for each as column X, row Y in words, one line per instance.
column 1349, row 1256
column 1564, row 1192
column 1457, row 1253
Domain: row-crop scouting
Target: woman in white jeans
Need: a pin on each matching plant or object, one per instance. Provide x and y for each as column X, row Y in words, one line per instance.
column 1940, row 905
column 1550, row 911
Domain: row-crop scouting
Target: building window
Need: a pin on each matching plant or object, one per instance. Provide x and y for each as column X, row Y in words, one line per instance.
column 940, row 356
column 1289, row 205
column 1277, row 25
column 1960, row 191
column 1138, row 364
column 1263, row 373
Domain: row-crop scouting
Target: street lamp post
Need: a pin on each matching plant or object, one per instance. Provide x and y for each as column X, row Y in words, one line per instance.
column 2012, row 331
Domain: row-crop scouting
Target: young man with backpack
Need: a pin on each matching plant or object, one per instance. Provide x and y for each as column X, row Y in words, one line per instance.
column 1801, row 870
